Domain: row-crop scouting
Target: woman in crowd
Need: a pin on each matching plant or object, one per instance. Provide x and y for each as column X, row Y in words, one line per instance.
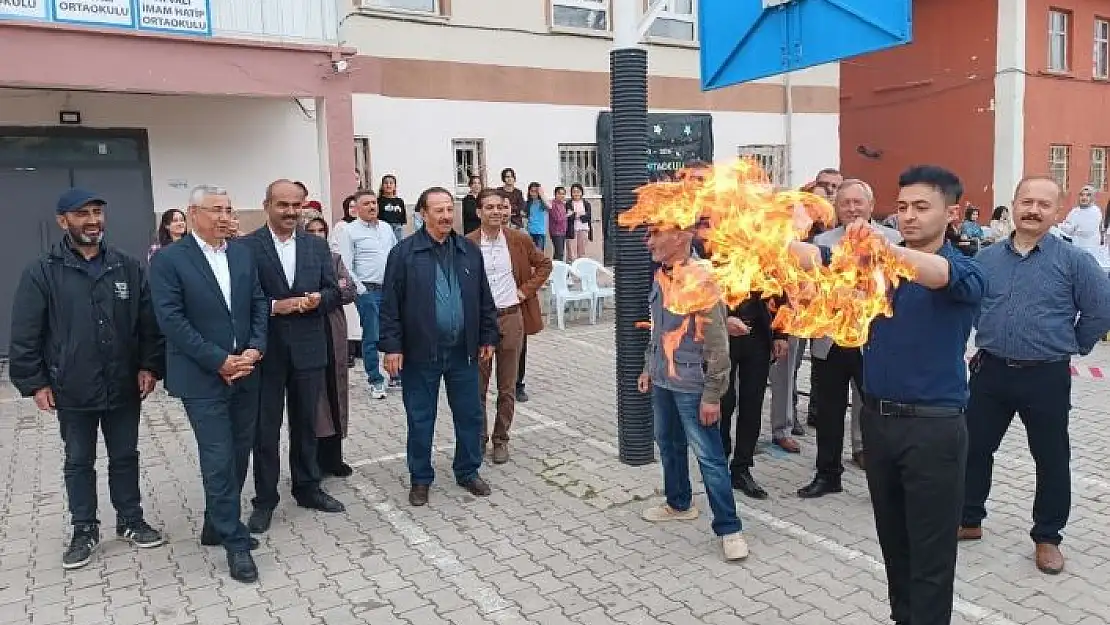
column 535, row 214
column 332, row 409
column 391, row 209
column 353, row 347
column 470, row 206
column 557, row 222
column 1001, row 224
column 516, row 198
column 971, row 233
column 581, row 218
column 171, row 227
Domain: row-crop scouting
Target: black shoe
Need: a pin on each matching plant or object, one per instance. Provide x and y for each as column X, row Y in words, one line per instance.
column 209, row 537
column 819, row 487
column 521, row 395
column 745, row 483
column 260, row 519
column 140, row 534
column 350, row 362
column 798, row 430
column 340, row 470
column 241, row 566
column 477, row 487
column 418, row 495
column 86, row 539
column 319, row 500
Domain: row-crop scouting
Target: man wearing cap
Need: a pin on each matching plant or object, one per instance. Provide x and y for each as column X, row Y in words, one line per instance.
column 85, row 345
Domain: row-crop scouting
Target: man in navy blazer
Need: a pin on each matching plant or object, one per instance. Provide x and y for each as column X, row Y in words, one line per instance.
column 298, row 278
column 213, row 313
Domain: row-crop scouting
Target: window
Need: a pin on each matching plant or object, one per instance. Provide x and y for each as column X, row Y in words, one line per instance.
column 771, row 158
column 584, row 14
column 578, row 163
column 677, row 20
column 1097, row 176
column 1059, row 163
column 423, row 6
column 470, row 160
column 1101, row 67
column 1058, row 26
column 362, row 162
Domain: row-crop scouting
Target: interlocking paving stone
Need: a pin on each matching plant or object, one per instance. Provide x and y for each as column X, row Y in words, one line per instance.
column 560, row 540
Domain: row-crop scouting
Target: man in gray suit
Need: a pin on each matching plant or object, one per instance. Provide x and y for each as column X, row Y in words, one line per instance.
column 836, row 368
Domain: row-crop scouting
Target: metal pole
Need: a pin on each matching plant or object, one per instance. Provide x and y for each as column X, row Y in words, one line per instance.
column 628, row 102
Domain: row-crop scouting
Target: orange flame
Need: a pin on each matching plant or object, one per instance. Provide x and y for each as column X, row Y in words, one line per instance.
column 747, row 228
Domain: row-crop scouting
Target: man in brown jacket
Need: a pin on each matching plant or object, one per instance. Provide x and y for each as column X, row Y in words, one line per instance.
column 516, row 270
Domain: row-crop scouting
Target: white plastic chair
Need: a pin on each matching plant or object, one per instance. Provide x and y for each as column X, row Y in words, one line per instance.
column 561, row 293
column 587, row 270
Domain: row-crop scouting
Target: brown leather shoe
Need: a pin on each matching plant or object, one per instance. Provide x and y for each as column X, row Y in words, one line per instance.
column 788, row 445
column 500, row 453
column 969, row 533
column 477, row 487
column 1049, row 558
column 418, row 495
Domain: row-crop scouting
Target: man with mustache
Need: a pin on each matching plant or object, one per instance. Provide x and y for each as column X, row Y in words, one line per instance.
column 438, row 322
column 297, row 275
column 1048, row 301
column 85, row 345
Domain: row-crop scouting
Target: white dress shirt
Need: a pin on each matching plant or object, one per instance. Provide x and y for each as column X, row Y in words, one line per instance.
column 217, row 260
column 499, row 270
column 287, row 254
column 1084, row 225
column 365, row 247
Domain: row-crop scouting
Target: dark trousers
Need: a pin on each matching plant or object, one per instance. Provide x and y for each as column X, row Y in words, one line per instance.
column 225, row 428
column 558, row 246
column 1041, row 397
column 540, row 240
column 747, row 386
column 300, row 390
column 121, row 439
column 915, row 472
column 329, row 452
column 420, row 394
column 834, row 377
column 523, row 362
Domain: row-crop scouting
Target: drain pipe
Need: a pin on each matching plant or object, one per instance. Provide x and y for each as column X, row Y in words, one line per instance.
column 633, row 276
column 788, row 130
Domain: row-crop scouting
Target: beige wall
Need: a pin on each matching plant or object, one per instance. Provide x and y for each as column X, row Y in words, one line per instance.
column 516, row 33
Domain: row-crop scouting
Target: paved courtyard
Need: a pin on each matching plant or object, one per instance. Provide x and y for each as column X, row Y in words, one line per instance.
column 560, row 540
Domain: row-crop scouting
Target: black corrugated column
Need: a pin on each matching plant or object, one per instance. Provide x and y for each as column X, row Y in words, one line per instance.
column 632, row 262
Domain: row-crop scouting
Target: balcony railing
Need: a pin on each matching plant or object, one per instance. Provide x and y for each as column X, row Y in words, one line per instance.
column 291, row 21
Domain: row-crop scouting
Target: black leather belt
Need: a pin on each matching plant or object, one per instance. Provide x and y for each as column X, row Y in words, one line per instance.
column 1015, row 363
column 373, row 286
column 503, row 312
column 895, row 409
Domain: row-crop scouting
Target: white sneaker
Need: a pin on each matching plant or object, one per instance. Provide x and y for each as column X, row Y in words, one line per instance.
column 664, row 512
column 735, row 547
column 377, row 391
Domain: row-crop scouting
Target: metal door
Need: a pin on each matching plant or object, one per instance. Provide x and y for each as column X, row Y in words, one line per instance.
column 129, row 216
column 27, row 198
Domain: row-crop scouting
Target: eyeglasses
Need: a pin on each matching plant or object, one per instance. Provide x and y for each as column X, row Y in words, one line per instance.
column 218, row 210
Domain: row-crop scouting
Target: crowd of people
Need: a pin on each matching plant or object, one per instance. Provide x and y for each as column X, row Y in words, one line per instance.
column 244, row 329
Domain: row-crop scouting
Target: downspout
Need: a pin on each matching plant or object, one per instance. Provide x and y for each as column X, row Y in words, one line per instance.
column 788, row 128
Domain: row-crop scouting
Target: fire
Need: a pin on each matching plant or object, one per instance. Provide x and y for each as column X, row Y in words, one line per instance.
column 747, row 227
column 686, row 289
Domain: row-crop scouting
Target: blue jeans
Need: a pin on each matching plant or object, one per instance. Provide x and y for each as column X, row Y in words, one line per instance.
column 420, row 394
column 369, row 308
column 121, row 439
column 399, row 231
column 676, row 426
column 539, row 240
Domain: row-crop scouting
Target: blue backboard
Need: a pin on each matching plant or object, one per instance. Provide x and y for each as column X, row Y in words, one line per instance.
column 742, row 40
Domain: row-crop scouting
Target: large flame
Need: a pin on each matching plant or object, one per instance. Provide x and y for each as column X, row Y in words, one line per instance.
column 747, row 228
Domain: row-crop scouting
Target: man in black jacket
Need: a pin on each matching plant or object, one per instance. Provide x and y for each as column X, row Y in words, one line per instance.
column 85, row 344
column 438, row 319
column 298, row 277
column 753, row 346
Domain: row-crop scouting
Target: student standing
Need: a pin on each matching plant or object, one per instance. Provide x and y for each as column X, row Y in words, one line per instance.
column 391, row 207
column 915, row 392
